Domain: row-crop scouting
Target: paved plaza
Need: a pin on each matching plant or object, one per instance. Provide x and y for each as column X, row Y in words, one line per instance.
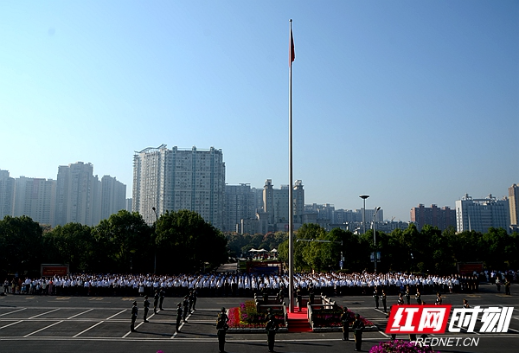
column 102, row 324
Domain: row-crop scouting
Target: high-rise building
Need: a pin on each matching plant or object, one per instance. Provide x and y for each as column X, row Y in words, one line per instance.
column 437, row 217
column 481, row 214
column 77, row 195
column 113, row 196
column 276, row 204
column 513, row 200
column 239, row 204
column 176, row 179
column 6, row 194
column 35, row 198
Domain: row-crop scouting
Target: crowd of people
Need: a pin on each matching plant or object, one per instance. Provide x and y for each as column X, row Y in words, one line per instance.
column 236, row 284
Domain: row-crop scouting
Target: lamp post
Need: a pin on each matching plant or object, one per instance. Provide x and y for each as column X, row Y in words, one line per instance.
column 364, row 197
column 375, row 239
column 155, row 245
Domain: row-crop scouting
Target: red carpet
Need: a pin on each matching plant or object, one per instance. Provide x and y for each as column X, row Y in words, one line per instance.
column 298, row 321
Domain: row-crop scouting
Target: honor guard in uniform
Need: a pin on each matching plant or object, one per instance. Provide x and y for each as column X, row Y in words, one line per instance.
column 179, row 316
column 281, row 295
column 222, row 316
column 186, row 308
column 418, row 296
column 162, row 294
column 407, row 295
column 375, row 295
column 357, row 327
column 272, row 327
column 156, row 301
column 193, row 299
column 400, row 299
column 311, row 294
column 507, row 286
column 384, row 302
column 345, row 322
column 221, row 327
column 439, row 299
column 135, row 311
column 146, row 308
column 299, row 298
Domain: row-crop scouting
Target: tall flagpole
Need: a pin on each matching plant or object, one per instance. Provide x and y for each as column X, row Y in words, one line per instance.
column 291, row 188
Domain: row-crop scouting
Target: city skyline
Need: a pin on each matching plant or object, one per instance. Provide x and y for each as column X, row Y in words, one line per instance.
column 410, row 103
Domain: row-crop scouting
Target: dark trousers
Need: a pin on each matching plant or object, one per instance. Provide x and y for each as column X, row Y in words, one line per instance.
column 132, row 327
column 358, row 341
column 345, row 333
column 178, row 323
column 221, row 344
column 146, row 313
column 271, row 338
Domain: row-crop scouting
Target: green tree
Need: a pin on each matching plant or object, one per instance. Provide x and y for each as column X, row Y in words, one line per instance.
column 124, row 243
column 21, row 245
column 185, row 241
column 70, row 244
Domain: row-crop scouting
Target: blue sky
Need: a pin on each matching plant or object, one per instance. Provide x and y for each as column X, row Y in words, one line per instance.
column 407, row 101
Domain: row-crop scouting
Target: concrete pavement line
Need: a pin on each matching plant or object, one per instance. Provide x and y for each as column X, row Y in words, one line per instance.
column 120, row 312
column 22, row 309
column 12, row 323
column 44, row 328
column 91, row 327
column 73, row 316
column 45, row 313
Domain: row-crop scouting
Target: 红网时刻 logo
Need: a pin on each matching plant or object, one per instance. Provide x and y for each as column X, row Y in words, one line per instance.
column 433, row 319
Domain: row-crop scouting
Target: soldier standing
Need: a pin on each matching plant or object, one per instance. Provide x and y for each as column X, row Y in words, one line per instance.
column 272, row 327
column 418, row 296
column 407, row 295
column 384, row 303
column 186, row 308
column 162, row 294
column 179, row 316
column 221, row 327
column 194, row 298
column 222, row 316
column 358, row 327
column 135, row 311
column 299, row 298
column 345, row 321
column 439, row 299
column 156, row 301
column 146, row 308
column 375, row 295
column 507, row 286
column 311, row 294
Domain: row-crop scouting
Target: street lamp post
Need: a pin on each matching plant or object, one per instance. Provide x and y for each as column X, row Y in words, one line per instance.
column 155, row 245
column 375, row 239
column 364, row 197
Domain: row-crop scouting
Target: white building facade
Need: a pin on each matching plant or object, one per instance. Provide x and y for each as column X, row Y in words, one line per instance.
column 176, row 179
column 481, row 214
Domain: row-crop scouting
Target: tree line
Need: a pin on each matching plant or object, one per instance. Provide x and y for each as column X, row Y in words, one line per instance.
column 426, row 250
column 177, row 242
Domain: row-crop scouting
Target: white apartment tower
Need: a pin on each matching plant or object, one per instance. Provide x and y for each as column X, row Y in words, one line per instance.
column 6, row 194
column 35, row 198
column 113, row 196
column 77, row 195
column 276, row 202
column 481, row 214
column 239, row 204
column 176, row 179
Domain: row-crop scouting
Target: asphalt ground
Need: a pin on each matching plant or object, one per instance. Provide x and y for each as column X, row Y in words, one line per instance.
column 102, row 324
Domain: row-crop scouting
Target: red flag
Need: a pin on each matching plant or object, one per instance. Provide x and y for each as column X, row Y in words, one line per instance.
column 291, row 50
